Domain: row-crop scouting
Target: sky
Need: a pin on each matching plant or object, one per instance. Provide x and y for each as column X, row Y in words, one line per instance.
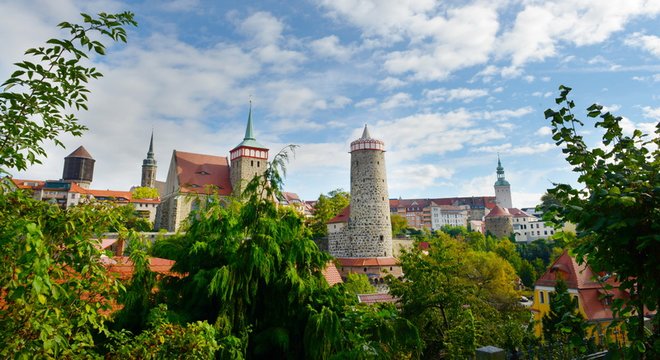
column 447, row 85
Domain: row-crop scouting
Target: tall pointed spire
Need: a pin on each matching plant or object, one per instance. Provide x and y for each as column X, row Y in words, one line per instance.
column 365, row 133
column 150, row 153
column 249, row 134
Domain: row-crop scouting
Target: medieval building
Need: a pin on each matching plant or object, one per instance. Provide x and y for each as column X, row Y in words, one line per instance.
column 149, row 166
column 79, row 167
column 361, row 236
column 192, row 176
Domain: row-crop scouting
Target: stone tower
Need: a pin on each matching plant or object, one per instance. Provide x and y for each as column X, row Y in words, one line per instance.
column 79, row 167
column 502, row 188
column 369, row 230
column 499, row 222
column 248, row 159
column 149, row 166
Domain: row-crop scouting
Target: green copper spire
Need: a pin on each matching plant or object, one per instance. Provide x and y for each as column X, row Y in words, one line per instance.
column 501, row 181
column 249, row 139
column 248, row 130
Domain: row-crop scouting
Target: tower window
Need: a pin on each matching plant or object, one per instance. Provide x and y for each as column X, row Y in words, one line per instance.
column 251, row 162
column 258, row 163
column 381, row 238
column 365, row 269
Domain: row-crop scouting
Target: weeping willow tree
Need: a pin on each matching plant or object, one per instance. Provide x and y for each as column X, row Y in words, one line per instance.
column 250, row 268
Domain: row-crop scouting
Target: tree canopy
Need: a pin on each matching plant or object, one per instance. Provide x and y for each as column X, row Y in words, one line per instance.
column 615, row 208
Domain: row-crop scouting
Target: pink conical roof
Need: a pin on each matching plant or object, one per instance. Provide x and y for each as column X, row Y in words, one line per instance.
column 498, row 211
column 81, row 152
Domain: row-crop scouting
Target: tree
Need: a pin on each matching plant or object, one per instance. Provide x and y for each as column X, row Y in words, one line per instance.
column 615, row 209
column 358, row 284
column 55, row 293
column 399, row 224
column 548, row 202
column 144, row 192
column 327, row 207
column 564, row 323
column 50, row 88
column 455, row 231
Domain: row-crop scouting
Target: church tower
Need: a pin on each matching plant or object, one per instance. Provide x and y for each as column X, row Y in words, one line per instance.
column 79, row 167
column 369, row 232
column 248, row 159
column 502, row 188
column 149, row 166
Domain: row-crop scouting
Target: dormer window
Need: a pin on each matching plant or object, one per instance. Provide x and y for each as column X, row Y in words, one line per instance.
column 202, row 172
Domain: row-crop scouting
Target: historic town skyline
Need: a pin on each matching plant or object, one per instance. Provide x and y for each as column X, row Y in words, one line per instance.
column 446, row 86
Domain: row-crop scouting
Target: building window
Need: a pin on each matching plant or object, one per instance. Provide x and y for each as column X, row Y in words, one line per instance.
column 541, row 298
column 365, row 269
column 252, row 163
column 381, row 238
column 257, row 163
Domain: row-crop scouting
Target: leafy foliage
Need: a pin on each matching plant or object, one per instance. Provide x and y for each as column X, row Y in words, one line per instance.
column 458, row 298
column 50, row 88
column 564, row 323
column 399, row 224
column 55, row 293
column 617, row 207
column 145, row 192
column 327, row 207
column 358, row 284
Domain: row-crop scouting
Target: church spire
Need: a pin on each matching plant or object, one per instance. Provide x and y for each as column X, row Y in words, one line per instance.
column 149, row 165
column 249, row 133
column 150, row 153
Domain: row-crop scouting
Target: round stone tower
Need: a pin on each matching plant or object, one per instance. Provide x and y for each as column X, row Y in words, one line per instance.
column 369, row 224
column 79, row 167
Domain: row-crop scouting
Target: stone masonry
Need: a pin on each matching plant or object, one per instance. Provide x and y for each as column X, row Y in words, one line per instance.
column 369, row 232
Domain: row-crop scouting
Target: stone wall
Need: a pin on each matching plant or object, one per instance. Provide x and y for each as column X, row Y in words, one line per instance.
column 500, row 226
column 244, row 169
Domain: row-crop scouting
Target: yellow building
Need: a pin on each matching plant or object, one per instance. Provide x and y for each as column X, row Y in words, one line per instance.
column 588, row 286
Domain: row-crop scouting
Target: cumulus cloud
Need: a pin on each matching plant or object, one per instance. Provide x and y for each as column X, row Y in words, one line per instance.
column 650, row 43
column 397, row 100
column 330, row 47
column 459, row 94
column 544, row 131
column 517, row 150
column 651, row 112
column 416, row 177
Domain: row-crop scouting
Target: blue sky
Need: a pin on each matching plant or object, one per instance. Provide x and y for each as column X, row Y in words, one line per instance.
column 446, row 84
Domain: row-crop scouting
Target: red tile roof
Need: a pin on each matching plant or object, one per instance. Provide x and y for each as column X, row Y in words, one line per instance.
column 291, row 197
column 357, row 262
column 114, row 194
column 515, row 212
column 342, row 217
column 498, row 211
column 80, row 152
column 122, row 266
column 331, row 274
column 198, row 171
column 583, row 279
column 28, row 184
column 377, row 298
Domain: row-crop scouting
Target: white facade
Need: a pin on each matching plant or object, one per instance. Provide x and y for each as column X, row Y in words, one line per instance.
column 442, row 215
column 528, row 228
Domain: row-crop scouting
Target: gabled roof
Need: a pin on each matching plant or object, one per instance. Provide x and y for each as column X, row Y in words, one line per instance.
column 109, row 194
column 342, row 217
column 123, row 267
column 196, row 172
column 28, row 184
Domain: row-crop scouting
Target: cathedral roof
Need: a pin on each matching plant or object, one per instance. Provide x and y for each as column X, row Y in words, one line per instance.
column 80, row 152
column 196, row 172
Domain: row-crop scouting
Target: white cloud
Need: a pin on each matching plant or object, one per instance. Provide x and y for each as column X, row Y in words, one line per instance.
column 651, row 112
column 368, row 102
column 330, row 47
column 510, row 149
column 390, row 83
column 397, row 100
column 650, row 43
column 541, row 27
column 506, row 114
column 544, row 131
column 611, row 109
column 418, row 177
column 459, row 94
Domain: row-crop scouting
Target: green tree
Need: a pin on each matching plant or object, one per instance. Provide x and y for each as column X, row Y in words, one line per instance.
column 455, row 231
column 527, row 274
column 548, row 202
column 144, row 192
column 56, row 292
column 38, row 101
column 327, row 207
column 615, row 208
column 564, row 323
column 399, row 224
column 358, row 284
